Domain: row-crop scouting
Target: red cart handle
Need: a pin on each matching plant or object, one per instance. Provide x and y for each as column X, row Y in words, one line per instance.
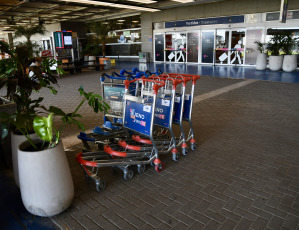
column 85, row 162
column 185, row 79
column 126, row 146
column 175, row 82
column 108, row 150
column 140, row 140
column 156, row 86
column 194, row 77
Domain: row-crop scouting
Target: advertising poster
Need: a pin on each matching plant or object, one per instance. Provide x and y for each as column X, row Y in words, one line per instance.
column 192, row 49
column 159, row 47
column 207, row 47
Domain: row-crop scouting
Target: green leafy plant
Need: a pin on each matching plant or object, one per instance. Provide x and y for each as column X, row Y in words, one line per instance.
column 289, row 44
column 260, row 46
column 20, row 75
column 275, row 44
column 43, row 126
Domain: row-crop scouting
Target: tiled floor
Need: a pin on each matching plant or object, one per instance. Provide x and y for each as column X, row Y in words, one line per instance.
column 243, row 175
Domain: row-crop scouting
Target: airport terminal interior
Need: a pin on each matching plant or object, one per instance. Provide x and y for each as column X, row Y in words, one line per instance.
column 189, row 107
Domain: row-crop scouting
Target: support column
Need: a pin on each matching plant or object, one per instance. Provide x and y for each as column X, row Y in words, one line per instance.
column 147, row 33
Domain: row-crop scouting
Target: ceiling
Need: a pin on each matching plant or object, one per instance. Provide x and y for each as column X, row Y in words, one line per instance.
column 30, row 12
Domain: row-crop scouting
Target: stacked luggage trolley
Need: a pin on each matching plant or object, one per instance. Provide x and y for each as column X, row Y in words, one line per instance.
column 139, row 127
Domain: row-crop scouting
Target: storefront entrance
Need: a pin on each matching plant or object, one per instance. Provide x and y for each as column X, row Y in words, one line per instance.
column 220, row 46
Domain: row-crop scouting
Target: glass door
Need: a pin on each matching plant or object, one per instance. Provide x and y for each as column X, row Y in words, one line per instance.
column 175, row 47
column 238, row 42
column 180, row 47
column 222, row 47
column 170, row 47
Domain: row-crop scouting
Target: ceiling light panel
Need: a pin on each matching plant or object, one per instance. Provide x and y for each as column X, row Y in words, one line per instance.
column 183, row 1
column 114, row 5
column 143, row 1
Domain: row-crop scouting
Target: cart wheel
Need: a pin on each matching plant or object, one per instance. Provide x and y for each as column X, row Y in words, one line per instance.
column 141, row 168
column 185, row 151
column 160, row 167
column 128, row 174
column 193, row 146
column 100, row 185
column 175, row 156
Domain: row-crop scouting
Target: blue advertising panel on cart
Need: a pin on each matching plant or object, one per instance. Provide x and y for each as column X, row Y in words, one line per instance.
column 138, row 117
column 162, row 112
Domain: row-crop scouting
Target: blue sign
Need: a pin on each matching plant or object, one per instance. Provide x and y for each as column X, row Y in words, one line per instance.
column 206, row 21
column 162, row 112
column 138, row 117
column 187, row 106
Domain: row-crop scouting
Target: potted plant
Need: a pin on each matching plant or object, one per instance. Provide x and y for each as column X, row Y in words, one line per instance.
column 274, row 47
column 20, row 78
column 101, row 30
column 261, row 60
column 28, row 32
column 290, row 60
column 45, row 179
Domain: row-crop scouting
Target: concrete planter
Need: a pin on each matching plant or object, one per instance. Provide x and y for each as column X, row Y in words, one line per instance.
column 91, row 59
column 16, row 140
column 289, row 63
column 275, row 62
column 261, row 61
column 45, row 180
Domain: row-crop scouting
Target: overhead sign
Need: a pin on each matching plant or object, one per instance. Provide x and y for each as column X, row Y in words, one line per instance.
column 206, row 21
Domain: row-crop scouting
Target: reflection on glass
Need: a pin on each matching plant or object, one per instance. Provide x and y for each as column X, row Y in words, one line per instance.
column 251, row 48
column 222, row 46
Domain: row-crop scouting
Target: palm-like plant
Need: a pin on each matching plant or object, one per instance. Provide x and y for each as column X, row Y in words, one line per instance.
column 28, row 32
column 101, row 30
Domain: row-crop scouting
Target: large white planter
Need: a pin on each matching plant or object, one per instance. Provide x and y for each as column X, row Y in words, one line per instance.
column 275, row 62
column 45, row 180
column 91, row 59
column 261, row 61
column 289, row 63
column 16, row 140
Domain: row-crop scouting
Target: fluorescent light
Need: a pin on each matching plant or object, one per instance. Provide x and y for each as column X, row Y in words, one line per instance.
column 142, row 1
column 122, row 6
column 135, row 21
column 121, row 20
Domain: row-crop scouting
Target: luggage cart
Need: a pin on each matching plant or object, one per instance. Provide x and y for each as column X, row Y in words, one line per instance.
column 185, row 111
column 177, row 110
column 138, row 116
column 164, row 115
